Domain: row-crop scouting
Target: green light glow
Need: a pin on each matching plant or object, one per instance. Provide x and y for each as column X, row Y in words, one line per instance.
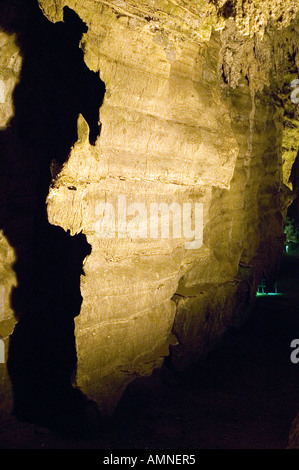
column 261, row 294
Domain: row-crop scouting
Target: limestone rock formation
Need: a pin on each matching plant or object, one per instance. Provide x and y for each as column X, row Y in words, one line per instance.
column 197, row 109
column 188, row 115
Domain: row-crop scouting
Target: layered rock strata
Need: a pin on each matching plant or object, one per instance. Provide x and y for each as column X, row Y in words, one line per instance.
column 197, row 111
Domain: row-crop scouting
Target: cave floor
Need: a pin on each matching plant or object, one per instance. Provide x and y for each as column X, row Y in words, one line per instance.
column 244, row 395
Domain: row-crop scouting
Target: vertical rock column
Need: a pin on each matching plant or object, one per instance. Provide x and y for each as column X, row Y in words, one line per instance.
column 166, row 138
column 243, row 233
column 10, row 67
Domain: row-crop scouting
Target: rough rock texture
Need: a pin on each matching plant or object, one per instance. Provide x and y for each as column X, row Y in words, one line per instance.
column 197, row 109
column 173, row 103
column 10, row 67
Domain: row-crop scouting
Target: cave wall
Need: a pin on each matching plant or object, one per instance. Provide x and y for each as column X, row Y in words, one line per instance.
column 188, row 114
column 148, row 139
column 10, row 68
column 196, row 109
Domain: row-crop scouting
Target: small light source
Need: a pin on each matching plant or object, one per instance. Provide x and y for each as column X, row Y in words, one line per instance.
column 262, row 289
column 2, row 91
column 2, row 352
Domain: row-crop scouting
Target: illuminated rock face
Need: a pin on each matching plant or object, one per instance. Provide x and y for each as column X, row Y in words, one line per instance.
column 10, row 67
column 188, row 115
column 196, row 108
column 152, row 148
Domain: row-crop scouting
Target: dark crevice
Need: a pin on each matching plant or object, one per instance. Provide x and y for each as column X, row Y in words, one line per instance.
column 228, row 10
column 55, row 87
column 293, row 210
column 223, row 75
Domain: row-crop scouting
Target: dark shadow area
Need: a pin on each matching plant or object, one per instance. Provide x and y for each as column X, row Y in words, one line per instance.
column 243, row 395
column 293, row 210
column 55, row 87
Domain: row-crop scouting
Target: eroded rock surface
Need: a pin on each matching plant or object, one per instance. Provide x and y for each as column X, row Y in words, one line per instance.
column 197, row 109
column 189, row 115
